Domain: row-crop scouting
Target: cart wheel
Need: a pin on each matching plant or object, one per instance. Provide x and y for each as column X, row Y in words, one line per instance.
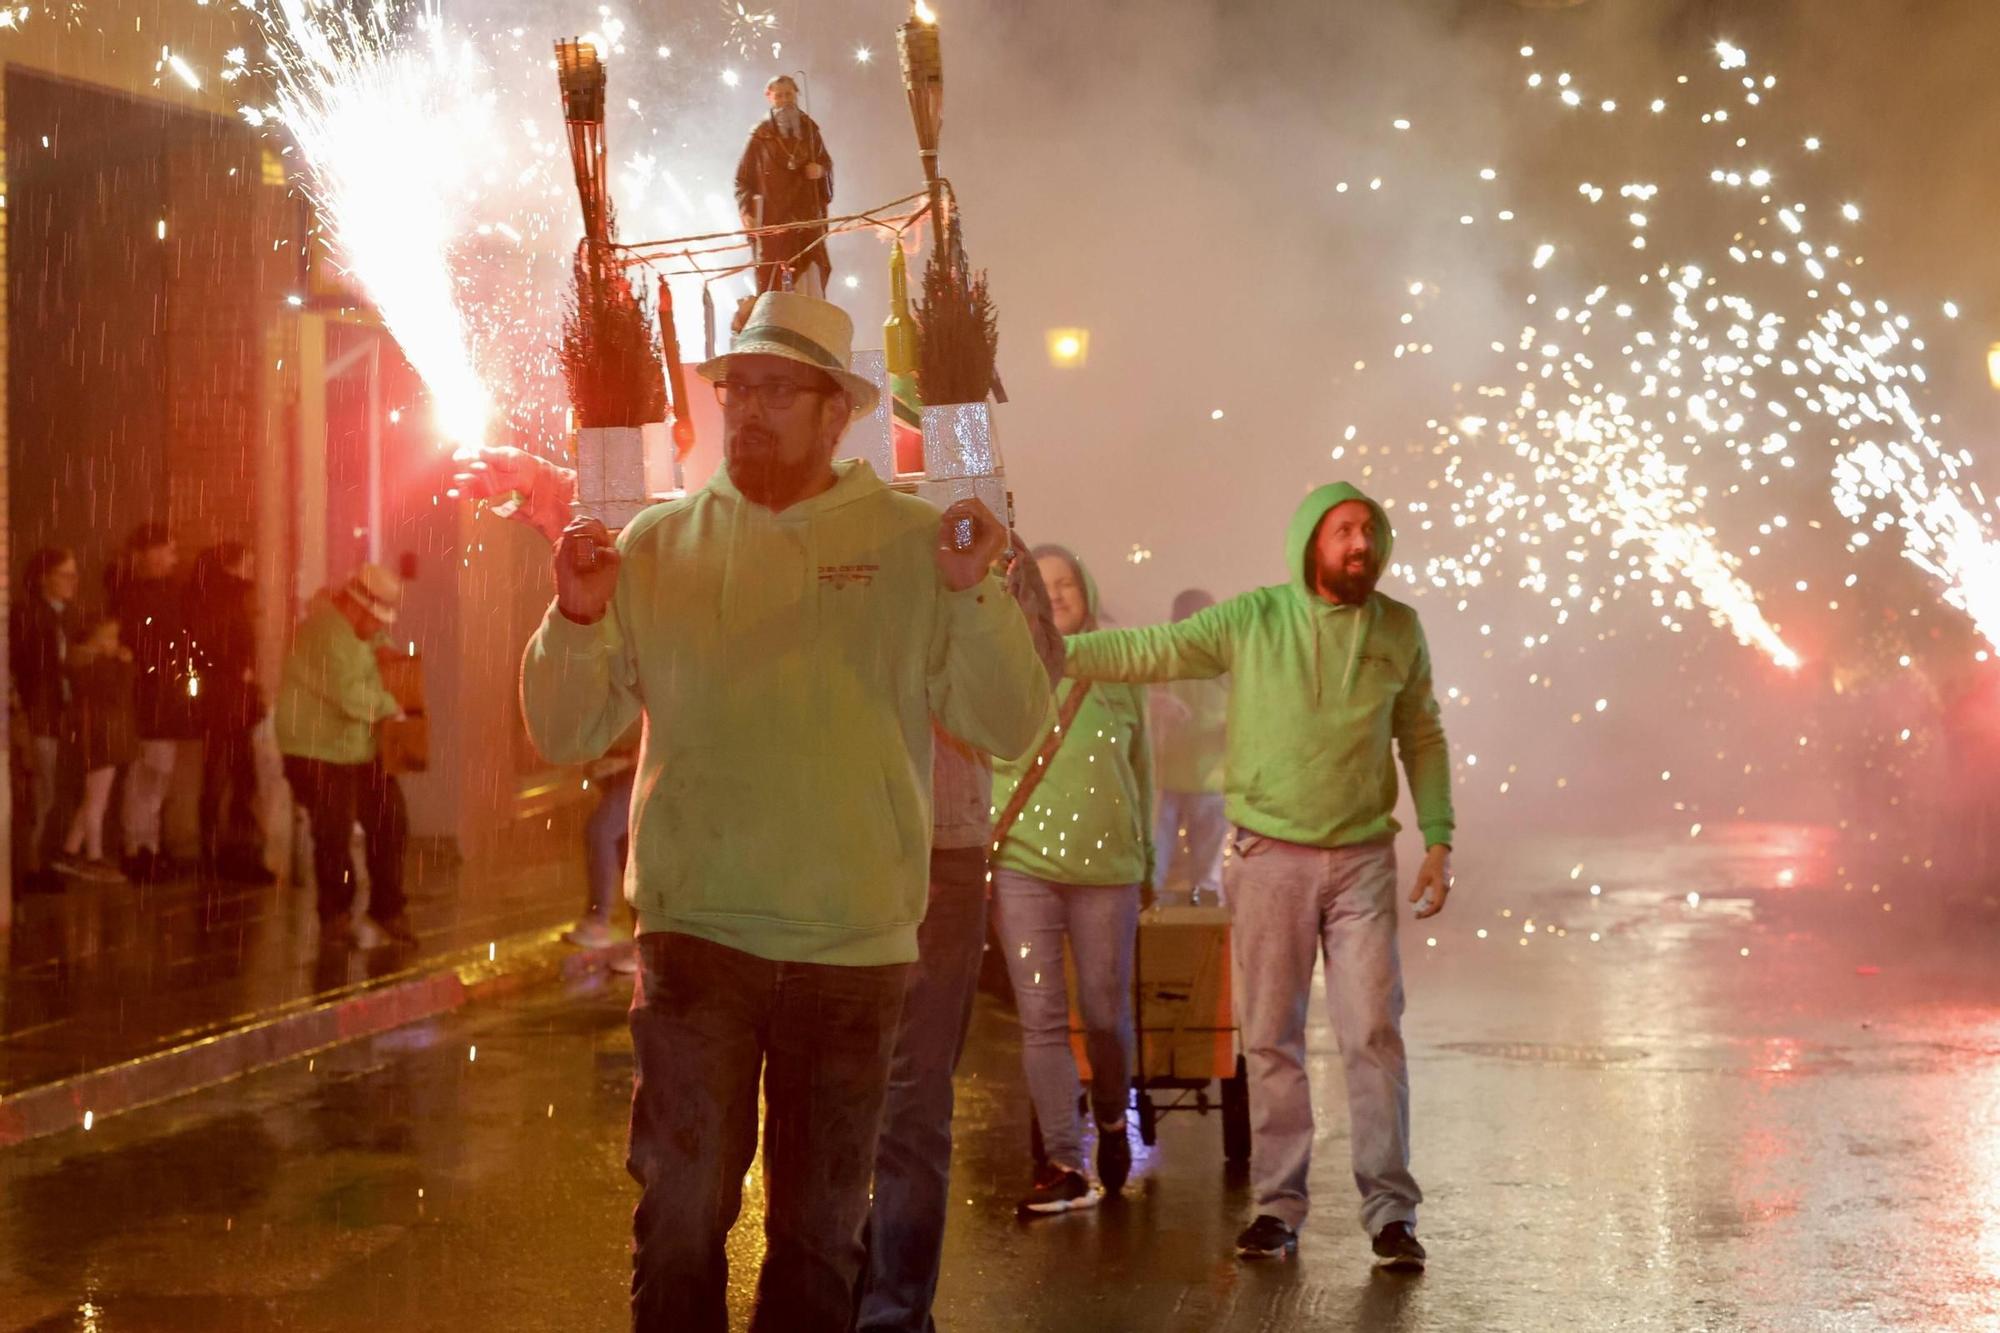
column 1149, row 1119
column 1236, row 1116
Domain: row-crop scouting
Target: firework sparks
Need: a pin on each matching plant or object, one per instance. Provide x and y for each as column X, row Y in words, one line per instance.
column 398, row 136
column 1651, row 397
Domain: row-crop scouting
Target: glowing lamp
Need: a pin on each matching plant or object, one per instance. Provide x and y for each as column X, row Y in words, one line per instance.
column 1993, row 365
column 1069, row 349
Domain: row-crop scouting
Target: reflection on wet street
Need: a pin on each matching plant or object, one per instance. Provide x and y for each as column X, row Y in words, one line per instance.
column 1726, row 1090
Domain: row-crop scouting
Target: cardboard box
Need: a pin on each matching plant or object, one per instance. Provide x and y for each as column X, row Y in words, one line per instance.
column 1183, row 1003
column 404, row 743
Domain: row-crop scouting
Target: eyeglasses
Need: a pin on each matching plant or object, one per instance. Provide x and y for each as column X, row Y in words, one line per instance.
column 775, row 395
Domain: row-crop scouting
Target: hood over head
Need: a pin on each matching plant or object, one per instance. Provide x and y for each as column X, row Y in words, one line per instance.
column 1305, row 525
column 1082, row 576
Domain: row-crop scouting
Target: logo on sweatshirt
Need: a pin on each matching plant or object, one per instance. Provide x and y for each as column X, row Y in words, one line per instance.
column 840, row 576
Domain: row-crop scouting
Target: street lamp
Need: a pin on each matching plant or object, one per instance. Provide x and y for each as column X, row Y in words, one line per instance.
column 1068, row 348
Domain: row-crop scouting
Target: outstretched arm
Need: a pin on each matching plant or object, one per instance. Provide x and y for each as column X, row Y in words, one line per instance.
column 545, row 489
column 1197, row 648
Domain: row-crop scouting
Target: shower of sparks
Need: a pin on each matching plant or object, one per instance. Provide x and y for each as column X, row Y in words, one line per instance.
column 749, row 32
column 1642, row 401
column 436, row 158
column 398, row 133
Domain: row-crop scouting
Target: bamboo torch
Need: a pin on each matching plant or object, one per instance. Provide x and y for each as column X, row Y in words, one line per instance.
column 923, row 80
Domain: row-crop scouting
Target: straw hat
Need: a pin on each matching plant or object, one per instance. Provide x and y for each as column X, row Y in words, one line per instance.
column 804, row 329
column 379, row 592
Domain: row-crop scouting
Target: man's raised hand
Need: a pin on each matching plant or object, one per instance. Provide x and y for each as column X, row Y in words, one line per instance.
column 586, row 566
column 964, row 563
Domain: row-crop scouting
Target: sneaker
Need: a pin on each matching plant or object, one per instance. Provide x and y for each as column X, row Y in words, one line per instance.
column 1114, row 1156
column 1266, row 1238
column 100, row 870
column 625, row 962
column 1060, row 1190
column 1397, row 1249
column 72, row 864
column 337, row 931
column 395, row 929
column 591, row 933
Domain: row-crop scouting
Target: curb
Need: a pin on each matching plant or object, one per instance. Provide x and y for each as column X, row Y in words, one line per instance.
column 503, row 968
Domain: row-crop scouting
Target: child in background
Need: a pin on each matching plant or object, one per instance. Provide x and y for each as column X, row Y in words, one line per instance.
column 105, row 732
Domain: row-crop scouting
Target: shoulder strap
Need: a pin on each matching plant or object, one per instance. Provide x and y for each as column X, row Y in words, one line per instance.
column 1032, row 778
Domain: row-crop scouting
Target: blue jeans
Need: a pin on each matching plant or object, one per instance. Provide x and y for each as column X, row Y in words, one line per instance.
column 605, row 836
column 913, row 1159
column 1102, row 923
column 708, row 1024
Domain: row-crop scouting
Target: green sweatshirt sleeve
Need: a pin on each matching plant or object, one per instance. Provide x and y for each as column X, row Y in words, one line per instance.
column 578, row 691
column 987, row 685
column 1419, row 732
column 1196, row 648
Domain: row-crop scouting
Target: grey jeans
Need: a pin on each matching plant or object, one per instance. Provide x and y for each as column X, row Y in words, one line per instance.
column 1287, row 904
column 1101, row 923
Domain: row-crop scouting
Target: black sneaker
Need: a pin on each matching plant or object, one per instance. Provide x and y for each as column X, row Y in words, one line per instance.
column 1059, row 1190
column 1266, row 1238
column 1397, row 1249
column 1114, row 1157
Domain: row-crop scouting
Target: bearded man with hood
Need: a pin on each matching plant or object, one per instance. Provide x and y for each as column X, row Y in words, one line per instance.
column 1328, row 673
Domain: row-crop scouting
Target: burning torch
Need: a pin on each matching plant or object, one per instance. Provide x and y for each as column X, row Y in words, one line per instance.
column 923, row 80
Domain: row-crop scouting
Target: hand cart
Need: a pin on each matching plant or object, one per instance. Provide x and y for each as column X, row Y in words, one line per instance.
column 1185, row 1017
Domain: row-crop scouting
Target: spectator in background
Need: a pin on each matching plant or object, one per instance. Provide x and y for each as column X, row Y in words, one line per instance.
column 227, row 706
column 147, row 601
column 607, row 838
column 1190, row 723
column 106, row 737
column 330, row 696
column 40, row 629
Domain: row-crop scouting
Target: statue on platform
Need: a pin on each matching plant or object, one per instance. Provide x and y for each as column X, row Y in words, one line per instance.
column 785, row 178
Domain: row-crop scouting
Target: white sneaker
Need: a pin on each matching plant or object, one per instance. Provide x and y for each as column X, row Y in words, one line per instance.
column 591, row 933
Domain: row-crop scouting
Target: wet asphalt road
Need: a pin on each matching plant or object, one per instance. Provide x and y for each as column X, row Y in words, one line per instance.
column 1654, row 1129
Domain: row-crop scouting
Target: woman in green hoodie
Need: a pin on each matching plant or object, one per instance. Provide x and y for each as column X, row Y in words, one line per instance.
column 1069, row 866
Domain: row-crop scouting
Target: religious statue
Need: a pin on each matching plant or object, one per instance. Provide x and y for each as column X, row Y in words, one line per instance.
column 785, row 180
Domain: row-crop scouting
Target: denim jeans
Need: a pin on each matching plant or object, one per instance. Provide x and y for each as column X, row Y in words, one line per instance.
column 1102, row 923
column 605, row 836
column 1287, row 904
column 1190, row 831
column 913, row 1161
column 708, row 1024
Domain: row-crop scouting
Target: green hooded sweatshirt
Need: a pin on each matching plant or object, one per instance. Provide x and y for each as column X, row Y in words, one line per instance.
column 788, row 666
column 1319, row 693
column 330, row 693
column 1090, row 819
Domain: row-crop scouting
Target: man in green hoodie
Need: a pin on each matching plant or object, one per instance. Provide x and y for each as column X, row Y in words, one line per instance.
column 1327, row 674
column 788, row 633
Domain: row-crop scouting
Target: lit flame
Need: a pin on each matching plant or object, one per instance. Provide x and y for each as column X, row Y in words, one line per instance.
column 924, row 13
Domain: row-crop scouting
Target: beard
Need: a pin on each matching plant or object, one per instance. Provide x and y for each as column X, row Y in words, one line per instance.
column 1352, row 582
column 759, row 468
